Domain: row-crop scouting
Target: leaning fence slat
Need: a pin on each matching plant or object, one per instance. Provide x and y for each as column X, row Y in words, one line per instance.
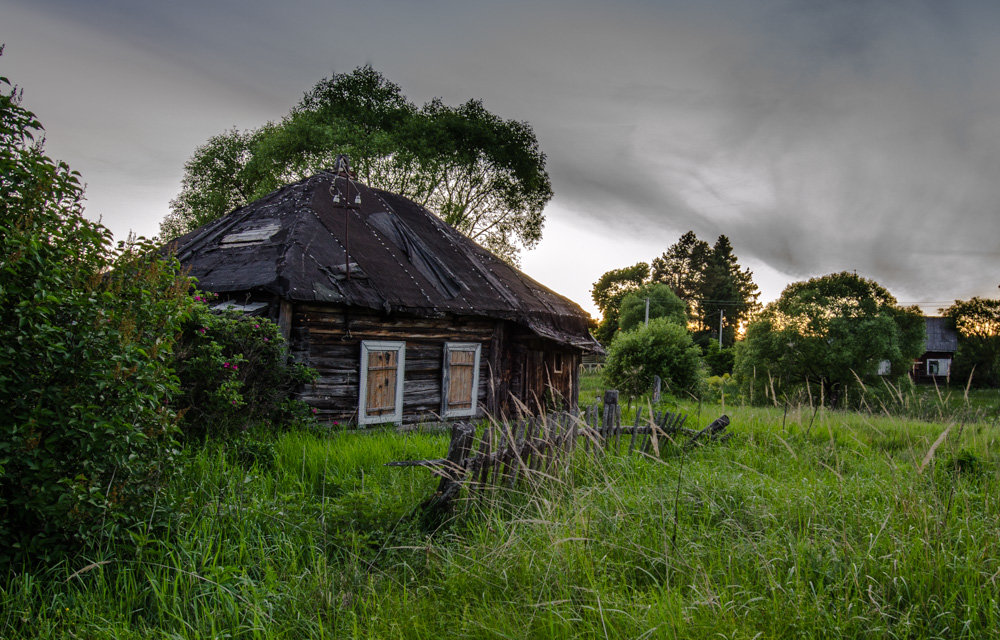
column 635, row 429
column 516, row 458
column 485, row 450
column 574, row 424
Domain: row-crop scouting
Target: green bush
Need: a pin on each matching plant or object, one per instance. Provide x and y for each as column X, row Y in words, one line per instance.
column 718, row 359
column 86, row 335
column 235, row 373
column 665, row 349
column 663, row 303
column 718, row 388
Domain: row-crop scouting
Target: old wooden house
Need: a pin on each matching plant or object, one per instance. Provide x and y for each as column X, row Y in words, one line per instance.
column 940, row 346
column 404, row 318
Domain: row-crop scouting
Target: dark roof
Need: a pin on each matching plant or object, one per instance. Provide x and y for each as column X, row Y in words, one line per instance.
column 940, row 335
column 291, row 243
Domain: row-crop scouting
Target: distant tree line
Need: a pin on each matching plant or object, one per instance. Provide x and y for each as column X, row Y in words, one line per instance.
column 826, row 338
column 701, row 283
column 977, row 322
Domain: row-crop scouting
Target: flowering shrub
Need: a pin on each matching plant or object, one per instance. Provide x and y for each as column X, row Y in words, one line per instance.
column 235, row 373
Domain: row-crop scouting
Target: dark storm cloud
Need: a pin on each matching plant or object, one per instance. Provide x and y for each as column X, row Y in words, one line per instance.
column 818, row 135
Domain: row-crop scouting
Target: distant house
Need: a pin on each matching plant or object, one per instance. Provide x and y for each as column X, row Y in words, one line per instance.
column 404, row 318
column 939, row 351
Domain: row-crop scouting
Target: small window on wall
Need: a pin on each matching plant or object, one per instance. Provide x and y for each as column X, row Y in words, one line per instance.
column 557, row 363
column 460, row 379
column 381, row 396
column 938, row 367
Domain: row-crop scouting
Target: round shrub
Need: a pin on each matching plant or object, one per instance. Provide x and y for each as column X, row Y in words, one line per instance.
column 663, row 303
column 665, row 349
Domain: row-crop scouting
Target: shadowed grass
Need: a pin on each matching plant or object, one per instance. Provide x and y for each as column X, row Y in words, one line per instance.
column 808, row 523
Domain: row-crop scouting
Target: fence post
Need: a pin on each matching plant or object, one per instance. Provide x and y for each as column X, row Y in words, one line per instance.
column 462, row 436
column 656, row 389
column 610, row 416
column 635, row 429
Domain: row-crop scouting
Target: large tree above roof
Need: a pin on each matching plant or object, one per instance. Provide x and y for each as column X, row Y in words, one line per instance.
column 482, row 174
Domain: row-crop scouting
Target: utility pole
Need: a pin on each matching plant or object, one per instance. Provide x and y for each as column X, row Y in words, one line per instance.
column 722, row 315
column 647, row 312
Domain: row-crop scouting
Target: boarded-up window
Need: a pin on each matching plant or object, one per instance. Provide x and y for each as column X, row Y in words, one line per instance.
column 460, row 379
column 381, row 397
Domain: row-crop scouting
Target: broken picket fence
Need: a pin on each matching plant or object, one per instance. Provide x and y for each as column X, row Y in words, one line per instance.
column 507, row 452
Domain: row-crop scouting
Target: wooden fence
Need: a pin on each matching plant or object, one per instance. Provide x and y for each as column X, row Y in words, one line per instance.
column 542, row 444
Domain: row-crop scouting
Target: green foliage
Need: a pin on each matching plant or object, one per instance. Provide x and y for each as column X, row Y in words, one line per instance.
column 825, row 337
column 86, row 333
column 720, row 387
column 663, row 348
column 727, row 291
column 682, row 266
column 662, row 304
column 978, row 324
column 215, row 182
column 709, row 279
column 719, row 359
column 803, row 525
column 235, row 373
column 608, row 293
column 484, row 175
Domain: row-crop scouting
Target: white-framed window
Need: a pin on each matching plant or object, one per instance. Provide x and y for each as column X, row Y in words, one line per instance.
column 381, row 386
column 460, row 379
column 557, row 362
column 938, row 366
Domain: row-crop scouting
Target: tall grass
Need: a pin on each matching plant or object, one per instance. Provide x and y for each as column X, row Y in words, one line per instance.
column 808, row 523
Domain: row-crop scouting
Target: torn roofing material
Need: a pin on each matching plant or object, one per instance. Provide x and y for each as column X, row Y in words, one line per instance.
column 293, row 243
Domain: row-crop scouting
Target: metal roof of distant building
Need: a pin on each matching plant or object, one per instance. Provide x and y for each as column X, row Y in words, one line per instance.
column 940, row 335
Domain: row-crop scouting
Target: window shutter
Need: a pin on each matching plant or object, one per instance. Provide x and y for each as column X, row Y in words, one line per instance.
column 460, row 382
column 381, row 384
column 381, row 398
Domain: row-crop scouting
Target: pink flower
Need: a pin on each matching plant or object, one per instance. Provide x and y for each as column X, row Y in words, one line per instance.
column 235, row 368
column 267, row 339
column 314, row 410
column 202, row 330
column 225, row 366
column 234, row 402
column 256, row 326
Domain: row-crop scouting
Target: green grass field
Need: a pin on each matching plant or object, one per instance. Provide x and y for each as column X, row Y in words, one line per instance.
column 807, row 523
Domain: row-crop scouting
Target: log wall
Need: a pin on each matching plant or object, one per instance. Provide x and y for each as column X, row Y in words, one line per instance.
column 512, row 361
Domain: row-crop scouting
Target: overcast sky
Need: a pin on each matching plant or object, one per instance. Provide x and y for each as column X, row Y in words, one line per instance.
column 818, row 135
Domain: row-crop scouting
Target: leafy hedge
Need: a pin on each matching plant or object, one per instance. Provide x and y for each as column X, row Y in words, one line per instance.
column 86, row 333
column 235, row 374
column 106, row 361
